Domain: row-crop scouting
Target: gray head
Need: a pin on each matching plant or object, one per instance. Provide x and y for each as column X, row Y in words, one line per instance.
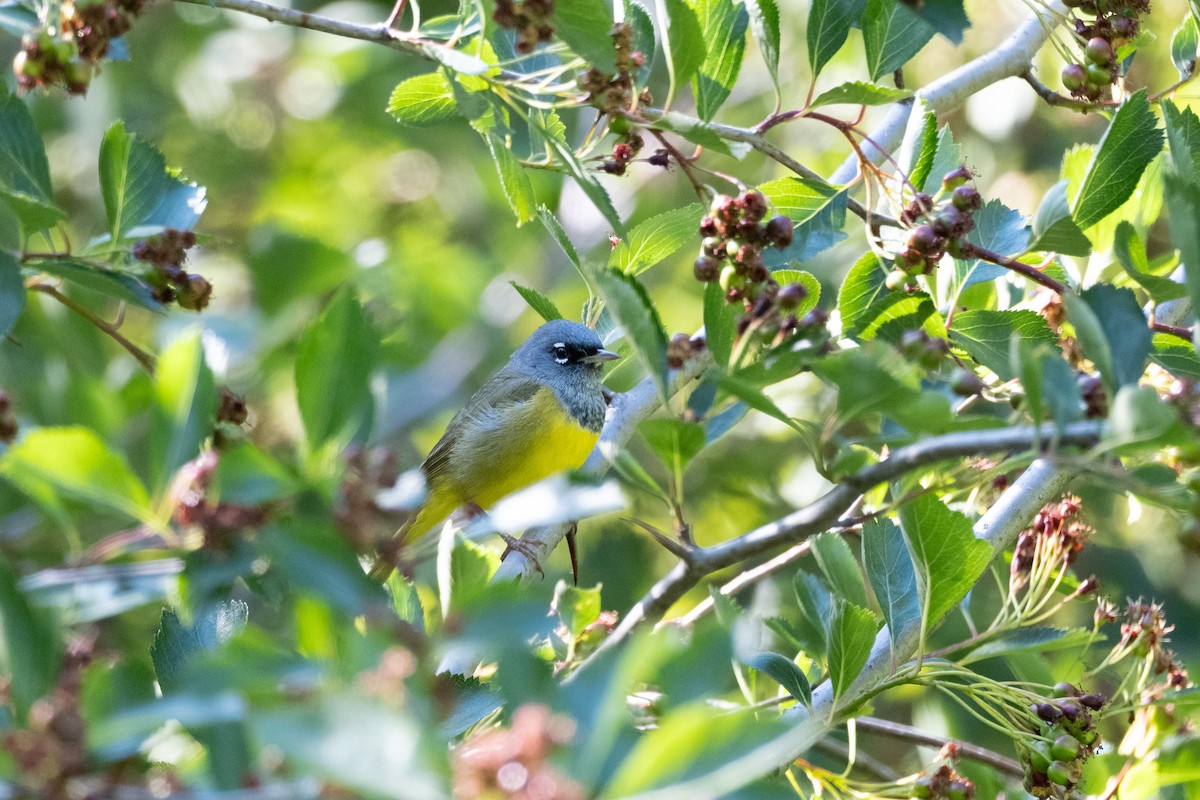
column 563, row 351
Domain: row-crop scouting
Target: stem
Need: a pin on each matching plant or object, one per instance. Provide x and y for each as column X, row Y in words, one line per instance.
column 144, row 358
column 908, row 733
column 969, row 249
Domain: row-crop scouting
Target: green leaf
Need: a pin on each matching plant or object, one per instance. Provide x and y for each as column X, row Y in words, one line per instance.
column 892, row 35
column 753, row 396
column 456, row 60
column 518, row 189
column 875, row 378
column 1183, row 140
column 248, row 476
column 828, row 26
column 133, row 179
column 422, row 101
column 1126, row 149
column 34, row 213
column 997, row 228
column 837, row 562
column 185, row 407
column 851, row 634
column 577, row 608
column 986, row 336
column 697, row 131
column 948, row 557
column 724, row 24
column 683, row 39
column 543, row 305
column 358, row 743
column 556, row 231
column 1177, row 357
column 920, row 146
column 643, row 37
column 947, row 156
column 816, row 609
column 1122, row 323
column 463, row 571
column 655, row 239
column 946, row 16
column 1054, row 229
column 783, row 671
column 720, row 324
column 1183, row 212
column 312, row 557
column 1183, row 46
column 584, row 25
column 674, row 441
column 30, row 646
column 12, row 293
column 1139, row 415
column 799, row 199
column 16, row 19
column 635, row 312
column 859, row 93
column 112, row 283
column 334, row 360
column 23, row 165
column 1037, row 639
column 764, row 25
column 889, row 567
column 1131, row 253
column 584, row 177
column 77, row 464
column 864, row 296
column 812, row 288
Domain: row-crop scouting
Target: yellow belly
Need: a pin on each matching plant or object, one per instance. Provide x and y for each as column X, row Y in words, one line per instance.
column 535, row 441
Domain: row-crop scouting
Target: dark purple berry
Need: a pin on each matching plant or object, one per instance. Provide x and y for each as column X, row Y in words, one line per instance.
column 754, row 205
column 966, row 198
column 707, row 269
column 708, row 226
column 923, row 239
column 779, row 231
column 791, row 296
column 955, row 178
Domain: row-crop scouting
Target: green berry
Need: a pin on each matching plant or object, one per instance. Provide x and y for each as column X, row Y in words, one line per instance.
column 923, row 788
column 1059, row 773
column 730, row 279
column 713, row 246
column 955, row 178
column 966, row 198
column 896, row 280
column 1098, row 75
column 965, row 382
column 1065, row 748
column 1074, row 76
column 1099, row 51
column 1064, row 689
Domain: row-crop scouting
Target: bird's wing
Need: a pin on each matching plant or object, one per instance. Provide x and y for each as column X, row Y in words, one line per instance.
column 502, row 391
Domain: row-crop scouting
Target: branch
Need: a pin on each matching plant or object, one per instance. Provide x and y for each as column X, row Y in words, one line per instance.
column 144, row 358
column 826, row 510
column 908, row 733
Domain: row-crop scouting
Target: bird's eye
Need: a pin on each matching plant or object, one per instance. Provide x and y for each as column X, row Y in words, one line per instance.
column 560, row 354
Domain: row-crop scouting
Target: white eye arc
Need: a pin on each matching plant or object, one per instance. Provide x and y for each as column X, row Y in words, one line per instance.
column 560, row 353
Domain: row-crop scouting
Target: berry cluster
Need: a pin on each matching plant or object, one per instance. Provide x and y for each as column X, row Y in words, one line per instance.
column 1115, row 22
column 735, row 235
column 613, row 94
column 514, row 762
column 623, row 152
column 1066, row 738
column 66, row 54
column 936, row 226
column 682, row 347
column 529, row 18
column 219, row 522
column 943, row 784
column 166, row 253
column 8, row 421
column 1056, row 535
column 51, row 750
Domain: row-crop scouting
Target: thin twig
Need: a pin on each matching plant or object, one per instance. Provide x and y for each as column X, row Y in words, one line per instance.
column 908, row 733
column 970, row 249
column 144, row 358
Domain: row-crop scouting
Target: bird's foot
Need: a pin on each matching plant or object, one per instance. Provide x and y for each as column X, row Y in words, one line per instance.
column 516, row 545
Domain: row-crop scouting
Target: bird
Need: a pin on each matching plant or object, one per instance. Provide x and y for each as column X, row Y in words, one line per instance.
column 540, row 414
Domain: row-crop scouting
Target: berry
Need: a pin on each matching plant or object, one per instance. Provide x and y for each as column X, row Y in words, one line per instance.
column 1098, row 75
column 713, row 246
column 1065, row 748
column 622, row 151
column 708, row 227
column 707, row 269
column 779, row 231
column 966, row 198
column 896, row 280
column 1099, row 51
column 721, row 206
column 729, row 279
column 791, row 296
column 614, row 167
column 1048, row 712
column 923, row 239
column 1039, row 757
column 1059, row 773
column 955, row 178
column 965, row 382
column 754, row 205
column 1074, row 76
column 1065, row 689
column 1125, row 27
column 1093, row 701
column 948, row 221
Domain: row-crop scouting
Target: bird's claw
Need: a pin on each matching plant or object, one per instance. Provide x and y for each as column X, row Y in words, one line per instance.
column 515, row 544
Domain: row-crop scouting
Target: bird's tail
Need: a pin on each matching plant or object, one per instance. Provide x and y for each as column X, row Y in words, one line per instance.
column 437, row 509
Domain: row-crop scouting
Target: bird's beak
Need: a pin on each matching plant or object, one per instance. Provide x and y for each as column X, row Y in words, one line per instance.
column 599, row 357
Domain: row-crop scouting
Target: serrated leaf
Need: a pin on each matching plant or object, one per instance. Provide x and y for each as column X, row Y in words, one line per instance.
column 948, row 557
column 120, row 285
column 1131, row 253
column 1183, row 140
column 1131, row 142
column 1054, row 229
column 463, row 570
column 76, row 463
column 863, row 295
column 986, row 336
column 785, row 672
column 34, row 213
column 577, row 608
column 920, row 145
column 629, row 304
column 997, row 228
column 892, row 35
column 133, row 179
column 643, row 39
column 799, row 199
column 334, row 360
column 851, row 632
column 828, row 26
column 1183, row 204
column 185, row 407
column 23, row 165
column 890, row 570
column 584, row 25
column 12, row 293
column 556, row 231
column 585, row 178
column 837, row 562
column 946, row 16
column 1121, row 321
column 697, row 131
column 753, row 396
column 720, row 321
column 1184, row 43
column 683, row 40
column 859, row 93
column 518, row 189
column 422, row 100
column 724, row 23
column 655, row 239
column 543, row 305
column 764, row 25
column 1037, row 639
column 1176, row 356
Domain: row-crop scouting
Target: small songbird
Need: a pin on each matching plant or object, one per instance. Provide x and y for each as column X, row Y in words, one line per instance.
column 540, row 414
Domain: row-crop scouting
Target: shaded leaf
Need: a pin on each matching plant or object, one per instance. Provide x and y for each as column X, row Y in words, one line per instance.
column 1184, row 43
column 699, row 132
column 837, row 561
column 859, row 93
column 720, row 324
column 986, row 336
column 23, row 165
column 577, row 608
column 629, row 304
column 1122, row 323
column 1037, row 639
column 948, row 557
column 12, row 293
column 892, row 35
column 784, row 672
column 334, row 360
column 889, row 567
column 1131, row 253
column 674, row 441
column 1183, row 140
column 585, row 26
column 828, row 26
column 683, row 39
column 30, row 646
column 851, row 634
column 724, row 24
column 518, row 189
column 185, row 407
column 1054, row 228
column 112, row 283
